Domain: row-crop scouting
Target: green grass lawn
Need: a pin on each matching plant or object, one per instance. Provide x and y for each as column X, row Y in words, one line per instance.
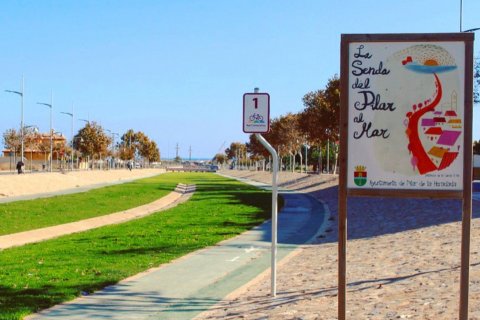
column 33, row 214
column 37, row 276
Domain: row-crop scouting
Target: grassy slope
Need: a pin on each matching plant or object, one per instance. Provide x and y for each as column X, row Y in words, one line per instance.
column 33, row 214
column 37, row 276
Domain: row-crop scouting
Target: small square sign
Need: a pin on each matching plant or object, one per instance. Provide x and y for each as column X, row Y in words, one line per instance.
column 256, row 112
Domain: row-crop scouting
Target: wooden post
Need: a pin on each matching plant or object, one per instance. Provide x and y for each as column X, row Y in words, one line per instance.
column 342, row 188
column 467, row 185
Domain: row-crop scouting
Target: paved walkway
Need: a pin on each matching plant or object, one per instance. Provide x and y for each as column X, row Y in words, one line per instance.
column 192, row 284
column 37, row 235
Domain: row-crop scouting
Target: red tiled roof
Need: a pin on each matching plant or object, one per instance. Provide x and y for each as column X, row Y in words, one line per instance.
column 450, row 113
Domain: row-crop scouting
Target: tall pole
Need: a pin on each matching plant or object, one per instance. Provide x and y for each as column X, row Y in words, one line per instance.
column 461, row 14
column 72, row 138
column 21, row 94
column 274, row 212
column 50, row 105
column 51, row 130
column 306, row 158
column 113, row 146
column 328, row 155
column 21, row 121
column 71, row 115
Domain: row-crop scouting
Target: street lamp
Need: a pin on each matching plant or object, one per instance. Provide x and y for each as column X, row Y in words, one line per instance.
column 21, row 94
column 472, row 30
column 113, row 144
column 50, row 105
column 35, row 130
column 61, row 135
column 306, row 156
column 71, row 115
column 84, row 120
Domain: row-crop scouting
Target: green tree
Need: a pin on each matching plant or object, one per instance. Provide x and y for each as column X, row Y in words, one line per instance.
column 235, row 149
column 134, row 144
column 220, row 158
column 150, row 151
column 127, row 145
column 287, row 137
column 321, row 116
column 31, row 140
column 255, row 148
column 476, row 147
column 11, row 140
column 92, row 141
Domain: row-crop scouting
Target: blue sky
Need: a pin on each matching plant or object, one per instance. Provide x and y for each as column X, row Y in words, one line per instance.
column 177, row 70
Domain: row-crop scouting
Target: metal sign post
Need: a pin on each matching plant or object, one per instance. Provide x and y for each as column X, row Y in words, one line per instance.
column 274, row 210
column 256, row 119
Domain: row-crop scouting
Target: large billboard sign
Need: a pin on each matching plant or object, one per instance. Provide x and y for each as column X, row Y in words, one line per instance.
column 406, row 128
column 406, row 114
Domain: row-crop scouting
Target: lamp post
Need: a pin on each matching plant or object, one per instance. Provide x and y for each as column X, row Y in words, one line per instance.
column 113, row 144
column 21, row 94
column 50, row 105
column 71, row 115
column 35, row 130
column 306, row 157
column 56, row 133
column 472, row 30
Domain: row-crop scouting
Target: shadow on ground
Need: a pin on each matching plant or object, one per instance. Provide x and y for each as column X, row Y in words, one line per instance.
column 369, row 216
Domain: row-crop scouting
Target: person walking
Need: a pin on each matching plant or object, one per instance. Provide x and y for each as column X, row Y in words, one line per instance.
column 20, row 165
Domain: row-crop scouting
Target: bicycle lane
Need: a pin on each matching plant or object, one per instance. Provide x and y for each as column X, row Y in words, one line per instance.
column 190, row 285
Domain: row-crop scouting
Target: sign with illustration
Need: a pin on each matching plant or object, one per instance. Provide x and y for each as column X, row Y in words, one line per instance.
column 256, row 112
column 406, row 115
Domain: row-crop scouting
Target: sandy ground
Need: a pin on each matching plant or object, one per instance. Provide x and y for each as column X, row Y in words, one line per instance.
column 403, row 261
column 12, row 185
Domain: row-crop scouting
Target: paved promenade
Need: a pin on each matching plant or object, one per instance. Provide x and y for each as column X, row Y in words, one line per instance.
column 403, row 258
column 190, row 285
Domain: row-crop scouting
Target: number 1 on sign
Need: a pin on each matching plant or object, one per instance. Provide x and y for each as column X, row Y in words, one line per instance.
column 256, row 102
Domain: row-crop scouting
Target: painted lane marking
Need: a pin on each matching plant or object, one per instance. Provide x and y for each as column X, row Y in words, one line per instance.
column 251, row 249
column 233, row 259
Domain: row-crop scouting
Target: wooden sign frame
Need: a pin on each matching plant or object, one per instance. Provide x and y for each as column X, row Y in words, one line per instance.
column 464, row 193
